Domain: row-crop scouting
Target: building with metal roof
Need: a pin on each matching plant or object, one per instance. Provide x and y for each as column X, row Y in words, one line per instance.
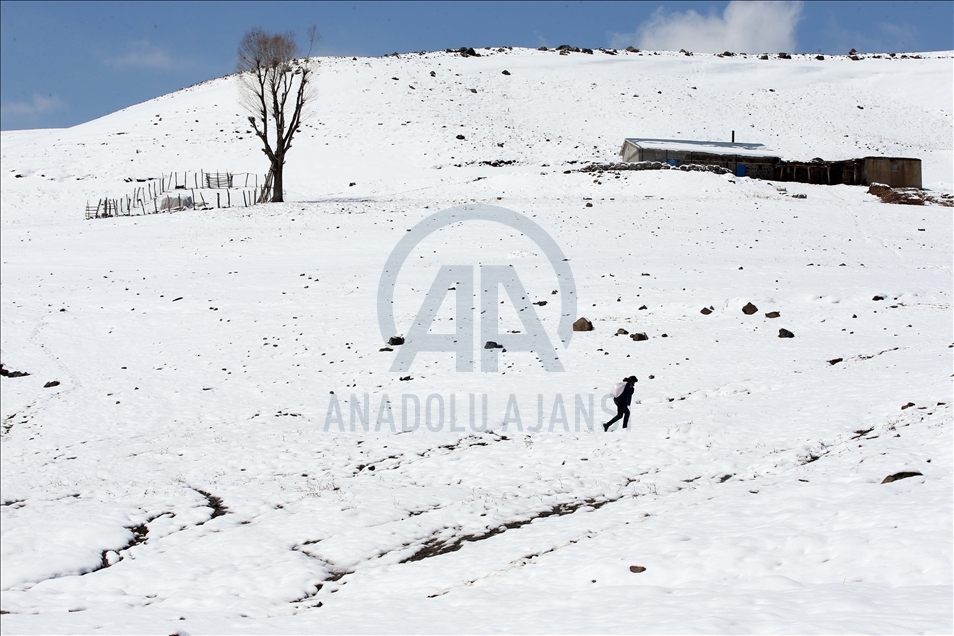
column 760, row 162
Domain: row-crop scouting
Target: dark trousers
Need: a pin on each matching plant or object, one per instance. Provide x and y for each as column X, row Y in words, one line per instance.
column 622, row 411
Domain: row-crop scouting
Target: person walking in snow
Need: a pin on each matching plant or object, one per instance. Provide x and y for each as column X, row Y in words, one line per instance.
column 622, row 396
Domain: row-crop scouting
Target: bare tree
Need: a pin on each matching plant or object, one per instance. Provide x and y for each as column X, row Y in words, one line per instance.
column 275, row 83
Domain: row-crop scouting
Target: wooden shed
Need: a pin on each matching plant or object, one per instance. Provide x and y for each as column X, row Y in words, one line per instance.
column 756, row 161
column 897, row 172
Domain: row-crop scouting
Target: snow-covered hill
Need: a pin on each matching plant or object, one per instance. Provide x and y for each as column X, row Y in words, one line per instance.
column 189, row 473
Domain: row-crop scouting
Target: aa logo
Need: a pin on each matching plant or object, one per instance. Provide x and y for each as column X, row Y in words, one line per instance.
column 462, row 280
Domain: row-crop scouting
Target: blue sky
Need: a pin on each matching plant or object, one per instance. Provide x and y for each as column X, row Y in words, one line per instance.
column 65, row 63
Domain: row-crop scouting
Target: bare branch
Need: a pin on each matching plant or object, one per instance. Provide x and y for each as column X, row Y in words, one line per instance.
column 275, row 89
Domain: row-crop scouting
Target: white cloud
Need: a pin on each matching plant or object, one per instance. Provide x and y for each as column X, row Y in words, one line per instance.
column 143, row 54
column 751, row 27
column 40, row 104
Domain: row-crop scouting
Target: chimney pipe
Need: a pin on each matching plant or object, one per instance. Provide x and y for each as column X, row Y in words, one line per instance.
column 733, row 136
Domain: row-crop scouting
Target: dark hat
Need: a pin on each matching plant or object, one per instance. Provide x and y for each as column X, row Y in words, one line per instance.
column 632, row 378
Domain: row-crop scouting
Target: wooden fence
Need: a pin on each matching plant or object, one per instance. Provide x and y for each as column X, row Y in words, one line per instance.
column 184, row 190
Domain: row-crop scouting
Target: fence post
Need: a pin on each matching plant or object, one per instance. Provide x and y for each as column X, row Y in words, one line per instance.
column 218, row 200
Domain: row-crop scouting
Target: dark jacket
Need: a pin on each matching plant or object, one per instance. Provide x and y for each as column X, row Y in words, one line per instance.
column 626, row 397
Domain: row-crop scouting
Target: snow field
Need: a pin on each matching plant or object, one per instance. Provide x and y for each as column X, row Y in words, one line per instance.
column 198, row 352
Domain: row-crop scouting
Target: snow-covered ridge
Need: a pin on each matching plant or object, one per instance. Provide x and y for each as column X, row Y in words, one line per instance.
column 390, row 112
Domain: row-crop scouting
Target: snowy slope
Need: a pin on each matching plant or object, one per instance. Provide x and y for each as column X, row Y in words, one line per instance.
column 186, row 475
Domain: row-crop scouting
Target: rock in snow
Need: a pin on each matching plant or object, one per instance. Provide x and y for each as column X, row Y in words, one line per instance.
column 582, row 324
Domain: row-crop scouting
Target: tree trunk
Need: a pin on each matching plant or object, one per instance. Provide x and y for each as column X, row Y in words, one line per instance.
column 278, row 194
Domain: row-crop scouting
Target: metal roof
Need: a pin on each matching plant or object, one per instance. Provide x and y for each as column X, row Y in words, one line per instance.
column 713, row 147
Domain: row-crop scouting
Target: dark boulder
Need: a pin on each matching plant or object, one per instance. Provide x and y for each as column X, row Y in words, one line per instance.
column 582, row 324
column 12, row 374
column 901, row 475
